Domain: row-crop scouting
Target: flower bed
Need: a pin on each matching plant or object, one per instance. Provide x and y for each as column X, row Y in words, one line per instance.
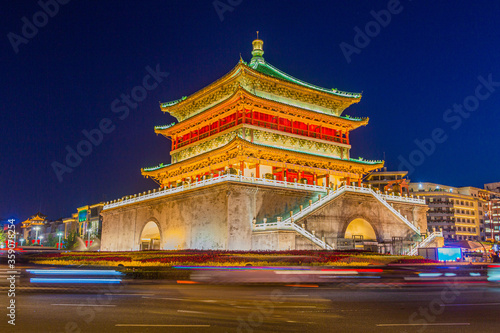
column 416, row 261
column 222, row 258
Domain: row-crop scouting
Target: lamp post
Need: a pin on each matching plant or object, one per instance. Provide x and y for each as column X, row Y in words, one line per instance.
column 22, row 241
column 36, row 230
column 88, row 239
column 59, row 244
column 41, row 237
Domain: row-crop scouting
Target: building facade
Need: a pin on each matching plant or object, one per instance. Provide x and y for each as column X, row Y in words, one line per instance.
column 71, row 225
column 492, row 219
column 459, row 211
column 33, row 227
column 388, row 181
column 256, row 146
column 89, row 220
column 39, row 230
column 494, row 187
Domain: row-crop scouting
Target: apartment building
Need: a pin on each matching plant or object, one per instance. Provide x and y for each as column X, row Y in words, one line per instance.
column 458, row 211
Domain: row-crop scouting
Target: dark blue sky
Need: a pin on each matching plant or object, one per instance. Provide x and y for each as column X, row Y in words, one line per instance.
column 64, row 79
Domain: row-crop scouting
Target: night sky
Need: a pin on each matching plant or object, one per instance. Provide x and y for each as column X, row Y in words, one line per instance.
column 64, row 79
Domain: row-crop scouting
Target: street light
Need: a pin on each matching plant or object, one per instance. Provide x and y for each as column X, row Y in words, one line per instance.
column 36, row 230
column 22, row 241
column 88, row 241
column 59, row 244
column 41, row 237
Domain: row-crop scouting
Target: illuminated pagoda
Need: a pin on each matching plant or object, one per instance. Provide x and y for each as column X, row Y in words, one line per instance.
column 35, row 221
column 259, row 121
column 261, row 160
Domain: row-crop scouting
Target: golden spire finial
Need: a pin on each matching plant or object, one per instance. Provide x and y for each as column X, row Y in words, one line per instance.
column 257, row 44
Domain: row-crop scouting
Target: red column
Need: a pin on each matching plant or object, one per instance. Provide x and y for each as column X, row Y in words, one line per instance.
column 359, row 182
column 242, row 167
column 315, row 179
column 348, row 180
column 257, row 170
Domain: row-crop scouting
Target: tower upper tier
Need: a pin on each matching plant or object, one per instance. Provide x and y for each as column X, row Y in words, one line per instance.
column 263, row 80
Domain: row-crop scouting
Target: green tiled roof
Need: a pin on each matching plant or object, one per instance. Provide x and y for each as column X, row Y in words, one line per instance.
column 260, row 65
column 360, row 160
column 161, row 166
column 167, row 104
column 162, row 127
column 285, row 103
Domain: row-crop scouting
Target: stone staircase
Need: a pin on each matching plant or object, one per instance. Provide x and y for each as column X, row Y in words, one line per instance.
column 424, row 243
column 290, row 223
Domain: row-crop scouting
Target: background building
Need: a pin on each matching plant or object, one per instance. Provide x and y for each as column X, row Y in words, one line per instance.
column 459, row 211
column 88, row 222
column 388, row 181
column 33, row 227
column 494, row 187
column 492, row 213
column 71, row 225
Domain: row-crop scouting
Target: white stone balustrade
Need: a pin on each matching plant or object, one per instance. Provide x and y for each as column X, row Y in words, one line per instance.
column 130, row 199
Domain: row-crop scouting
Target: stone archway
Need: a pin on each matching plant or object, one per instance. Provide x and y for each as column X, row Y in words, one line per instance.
column 150, row 238
column 360, row 227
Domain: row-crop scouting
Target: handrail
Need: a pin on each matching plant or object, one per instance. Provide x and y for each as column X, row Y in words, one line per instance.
column 342, row 189
column 394, row 211
column 290, row 222
column 248, row 180
column 414, row 249
column 283, row 225
column 215, row 180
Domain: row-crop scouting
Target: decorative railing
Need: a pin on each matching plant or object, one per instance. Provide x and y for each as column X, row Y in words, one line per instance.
column 413, row 251
column 383, row 200
column 290, row 223
column 392, row 197
column 157, row 193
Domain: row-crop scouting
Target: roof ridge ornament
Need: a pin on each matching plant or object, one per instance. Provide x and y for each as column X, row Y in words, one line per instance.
column 257, row 51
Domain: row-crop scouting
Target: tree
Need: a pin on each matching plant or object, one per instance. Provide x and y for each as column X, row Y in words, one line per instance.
column 51, row 241
column 3, row 237
column 70, row 241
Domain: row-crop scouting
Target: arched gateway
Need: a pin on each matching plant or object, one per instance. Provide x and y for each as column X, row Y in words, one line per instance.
column 360, row 229
column 150, row 237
